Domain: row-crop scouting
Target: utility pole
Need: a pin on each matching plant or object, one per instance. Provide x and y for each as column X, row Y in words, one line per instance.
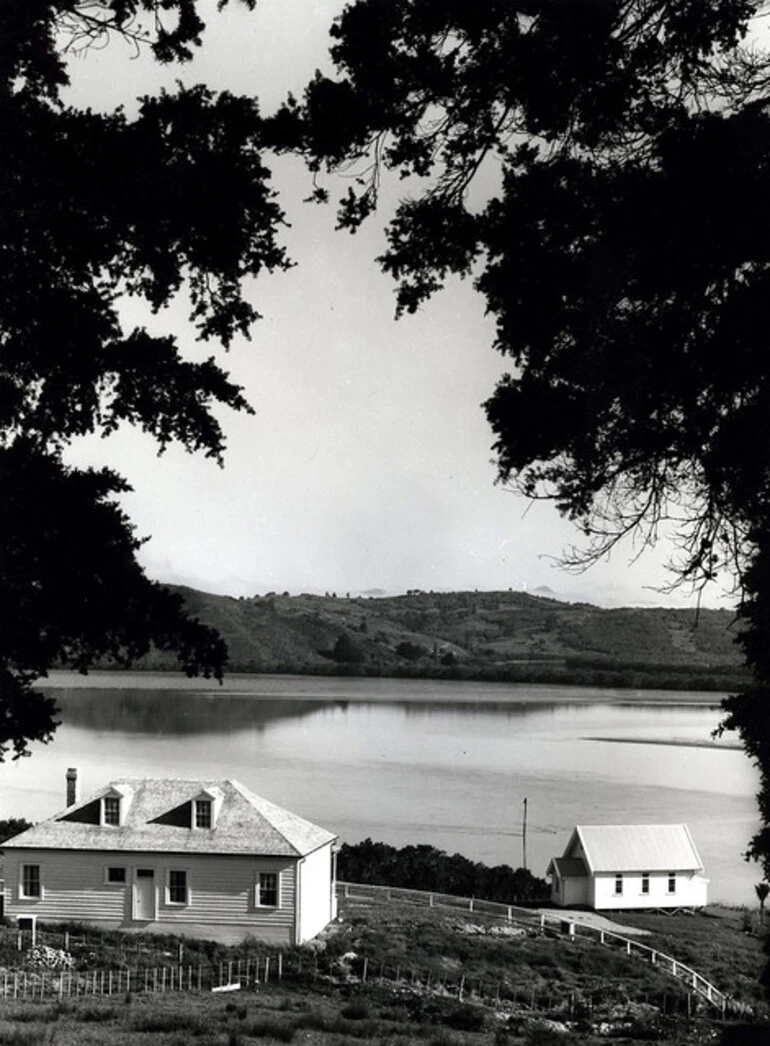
column 524, row 837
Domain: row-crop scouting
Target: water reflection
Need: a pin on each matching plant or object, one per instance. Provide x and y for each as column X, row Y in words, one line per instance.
column 177, row 713
column 409, row 762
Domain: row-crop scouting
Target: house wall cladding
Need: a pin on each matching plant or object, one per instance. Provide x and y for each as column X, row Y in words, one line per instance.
column 222, row 901
column 317, row 892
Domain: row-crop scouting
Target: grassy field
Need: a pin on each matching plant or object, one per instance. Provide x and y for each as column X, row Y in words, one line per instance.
column 434, row 978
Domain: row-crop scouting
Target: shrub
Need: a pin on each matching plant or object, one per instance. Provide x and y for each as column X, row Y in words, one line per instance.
column 166, row 1022
column 465, row 1018
column 356, row 1010
column 97, row 1014
column 22, row 1036
column 270, row 1028
column 544, row 1035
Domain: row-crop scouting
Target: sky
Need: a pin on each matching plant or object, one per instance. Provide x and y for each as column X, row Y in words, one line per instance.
column 368, row 463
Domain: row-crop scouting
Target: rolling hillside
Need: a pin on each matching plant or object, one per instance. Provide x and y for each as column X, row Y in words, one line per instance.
column 488, row 635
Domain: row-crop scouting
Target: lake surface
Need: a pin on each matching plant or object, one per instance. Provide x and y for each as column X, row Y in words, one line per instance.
column 412, row 761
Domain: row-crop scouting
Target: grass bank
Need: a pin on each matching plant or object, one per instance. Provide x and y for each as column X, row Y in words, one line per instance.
column 392, row 975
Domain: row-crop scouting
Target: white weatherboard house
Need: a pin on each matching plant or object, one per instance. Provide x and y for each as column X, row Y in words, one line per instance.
column 199, row 858
column 629, row 866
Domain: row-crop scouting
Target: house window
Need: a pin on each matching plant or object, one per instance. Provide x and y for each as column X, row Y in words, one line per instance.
column 112, row 809
column 203, row 813
column 30, row 881
column 267, row 890
column 177, row 886
column 619, row 883
column 645, row 882
column 116, row 875
column 672, row 882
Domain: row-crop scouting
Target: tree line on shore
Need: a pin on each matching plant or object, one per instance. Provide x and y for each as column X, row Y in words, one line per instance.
column 425, row 867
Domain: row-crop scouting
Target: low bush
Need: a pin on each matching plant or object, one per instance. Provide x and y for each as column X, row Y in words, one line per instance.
column 356, row 1010
column 167, row 1022
column 270, row 1028
column 97, row 1014
column 465, row 1018
column 13, row 1036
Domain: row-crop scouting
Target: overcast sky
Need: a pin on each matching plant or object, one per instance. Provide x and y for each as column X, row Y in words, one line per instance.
column 368, row 462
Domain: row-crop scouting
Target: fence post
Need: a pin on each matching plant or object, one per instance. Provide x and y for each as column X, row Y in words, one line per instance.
column 460, row 989
column 363, row 972
column 470, row 904
column 280, row 966
column 430, row 900
column 267, row 968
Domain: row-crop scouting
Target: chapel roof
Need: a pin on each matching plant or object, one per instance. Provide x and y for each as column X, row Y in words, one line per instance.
column 637, row 848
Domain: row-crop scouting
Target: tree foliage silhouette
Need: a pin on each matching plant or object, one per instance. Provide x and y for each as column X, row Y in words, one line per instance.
column 94, row 207
column 600, row 170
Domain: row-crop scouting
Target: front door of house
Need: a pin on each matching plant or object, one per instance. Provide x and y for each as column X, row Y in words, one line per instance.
column 144, row 894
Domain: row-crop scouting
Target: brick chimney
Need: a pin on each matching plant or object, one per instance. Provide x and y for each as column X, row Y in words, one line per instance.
column 72, row 786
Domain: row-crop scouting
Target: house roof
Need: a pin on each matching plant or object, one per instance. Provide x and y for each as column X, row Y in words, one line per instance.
column 638, row 848
column 157, row 820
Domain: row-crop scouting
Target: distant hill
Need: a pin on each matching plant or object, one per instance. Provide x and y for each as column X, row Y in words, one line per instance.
column 483, row 635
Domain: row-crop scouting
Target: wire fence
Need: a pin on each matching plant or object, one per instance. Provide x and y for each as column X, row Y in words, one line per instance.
column 38, row 974
column 531, row 919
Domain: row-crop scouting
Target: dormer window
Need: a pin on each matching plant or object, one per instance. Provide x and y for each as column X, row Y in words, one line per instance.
column 111, row 810
column 203, row 813
column 113, row 806
column 204, row 809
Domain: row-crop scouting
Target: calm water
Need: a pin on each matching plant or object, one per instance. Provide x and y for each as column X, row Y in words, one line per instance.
column 408, row 761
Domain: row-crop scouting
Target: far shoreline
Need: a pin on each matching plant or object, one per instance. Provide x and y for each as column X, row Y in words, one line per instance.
column 287, row 686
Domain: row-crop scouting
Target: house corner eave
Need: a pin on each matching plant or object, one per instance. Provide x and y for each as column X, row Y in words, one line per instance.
column 298, row 862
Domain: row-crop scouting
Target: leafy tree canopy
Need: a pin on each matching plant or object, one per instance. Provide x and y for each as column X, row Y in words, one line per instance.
column 425, row 867
column 600, row 170
column 11, row 826
column 94, row 207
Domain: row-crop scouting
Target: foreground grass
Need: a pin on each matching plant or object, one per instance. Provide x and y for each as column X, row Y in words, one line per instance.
column 715, row 942
column 612, row 997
